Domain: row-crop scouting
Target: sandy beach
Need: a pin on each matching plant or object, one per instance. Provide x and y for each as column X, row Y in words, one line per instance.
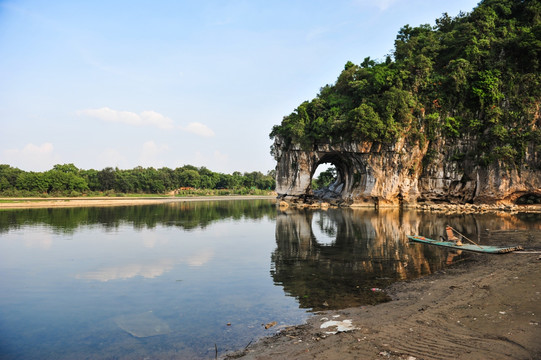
column 12, row 203
column 487, row 308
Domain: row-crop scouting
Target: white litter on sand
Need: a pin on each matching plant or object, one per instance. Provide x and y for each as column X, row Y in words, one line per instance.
column 338, row 326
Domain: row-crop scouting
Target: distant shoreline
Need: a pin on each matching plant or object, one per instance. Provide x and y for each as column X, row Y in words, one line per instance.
column 58, row 202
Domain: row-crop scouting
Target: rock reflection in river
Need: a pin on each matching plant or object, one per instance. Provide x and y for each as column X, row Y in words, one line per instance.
column 369, row 251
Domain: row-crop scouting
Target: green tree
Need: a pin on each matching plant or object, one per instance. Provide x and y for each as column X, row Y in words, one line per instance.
column 476, row 74
column 33, row 181
column 60, row 181
column 366, row 123
column 66, row 168
column 92, row 179
column 106, row 178
column 325, row 178
column 8, row 177
column 190, row 178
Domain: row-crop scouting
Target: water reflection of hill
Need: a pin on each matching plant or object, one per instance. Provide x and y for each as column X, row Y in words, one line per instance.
column 369, row 249
column 186, row 215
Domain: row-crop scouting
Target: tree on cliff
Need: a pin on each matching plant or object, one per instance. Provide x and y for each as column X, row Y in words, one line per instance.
column 476, row 74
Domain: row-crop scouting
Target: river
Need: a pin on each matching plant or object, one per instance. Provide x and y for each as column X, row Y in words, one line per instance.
column 188, row 280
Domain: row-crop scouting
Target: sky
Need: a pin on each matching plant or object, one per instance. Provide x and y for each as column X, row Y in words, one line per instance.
column 167, row 83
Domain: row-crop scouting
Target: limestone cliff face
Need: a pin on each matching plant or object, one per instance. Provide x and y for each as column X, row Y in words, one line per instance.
column 371, row 173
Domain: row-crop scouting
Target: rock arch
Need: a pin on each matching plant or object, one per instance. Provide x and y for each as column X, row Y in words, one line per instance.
column 360, row 167
column 402, row 173
column 342, row 182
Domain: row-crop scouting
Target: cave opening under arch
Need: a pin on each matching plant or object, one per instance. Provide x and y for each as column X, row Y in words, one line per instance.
column 335, row 183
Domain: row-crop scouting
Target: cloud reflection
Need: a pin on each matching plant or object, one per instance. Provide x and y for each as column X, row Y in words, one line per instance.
column 41, row 242
column 149, row 270
column 200, row 258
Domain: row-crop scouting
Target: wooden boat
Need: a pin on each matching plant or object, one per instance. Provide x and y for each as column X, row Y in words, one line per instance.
column 466, row 247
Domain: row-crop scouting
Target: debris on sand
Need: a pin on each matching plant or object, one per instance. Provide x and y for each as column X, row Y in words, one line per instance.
column 338, row 326
column 271, row 324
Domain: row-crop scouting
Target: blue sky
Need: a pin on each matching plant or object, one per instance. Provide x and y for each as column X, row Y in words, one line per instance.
column 168, row 83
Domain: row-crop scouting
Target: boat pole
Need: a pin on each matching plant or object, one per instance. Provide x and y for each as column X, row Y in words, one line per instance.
column 473, row 242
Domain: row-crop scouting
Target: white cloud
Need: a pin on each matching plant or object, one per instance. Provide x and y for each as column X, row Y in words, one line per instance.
column 41, row 157
column 198, row 129
column 145, row 118
column 156, row 119
column 44, row 149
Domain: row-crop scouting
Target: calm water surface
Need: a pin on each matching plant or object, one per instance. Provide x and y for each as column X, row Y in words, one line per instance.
column 179, row 280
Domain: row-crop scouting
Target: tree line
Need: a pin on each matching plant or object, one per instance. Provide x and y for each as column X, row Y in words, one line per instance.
column 67, row 179
column 475, row 75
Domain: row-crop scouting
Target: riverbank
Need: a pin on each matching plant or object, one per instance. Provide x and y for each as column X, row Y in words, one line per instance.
column 14, row 203
column 486, row 308
column 478, row 208
column 442, row 208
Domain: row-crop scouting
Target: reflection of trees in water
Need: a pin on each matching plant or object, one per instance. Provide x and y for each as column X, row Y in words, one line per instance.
column 186, row 215
column 365, row 254
column 370, row 250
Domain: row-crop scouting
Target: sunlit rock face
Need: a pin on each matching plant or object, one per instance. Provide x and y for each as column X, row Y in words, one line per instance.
column 372, row 174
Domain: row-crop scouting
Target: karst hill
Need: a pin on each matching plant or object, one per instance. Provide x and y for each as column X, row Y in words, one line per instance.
column 452, row 115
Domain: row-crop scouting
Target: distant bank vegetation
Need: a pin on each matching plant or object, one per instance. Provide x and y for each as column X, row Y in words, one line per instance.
column 68, row 180
column 476, row 75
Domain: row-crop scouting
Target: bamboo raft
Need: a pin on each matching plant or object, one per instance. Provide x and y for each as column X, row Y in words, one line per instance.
column 456, row 243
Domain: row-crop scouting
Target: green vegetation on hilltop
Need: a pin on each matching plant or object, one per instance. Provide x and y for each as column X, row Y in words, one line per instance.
column 476, row 74
column 68, row 180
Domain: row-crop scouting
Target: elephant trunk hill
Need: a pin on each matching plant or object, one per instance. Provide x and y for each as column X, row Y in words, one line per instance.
column 451, row 116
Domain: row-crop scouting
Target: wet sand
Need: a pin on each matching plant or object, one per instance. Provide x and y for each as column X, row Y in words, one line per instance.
column 486, row 308
column 12, row 203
